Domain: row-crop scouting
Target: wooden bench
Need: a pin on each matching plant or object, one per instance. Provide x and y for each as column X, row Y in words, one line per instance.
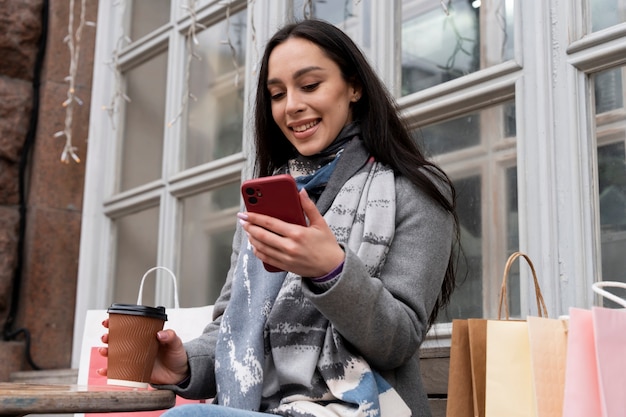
column 435, row 364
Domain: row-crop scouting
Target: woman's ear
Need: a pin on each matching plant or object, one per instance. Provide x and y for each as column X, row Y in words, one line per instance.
column 356, row 93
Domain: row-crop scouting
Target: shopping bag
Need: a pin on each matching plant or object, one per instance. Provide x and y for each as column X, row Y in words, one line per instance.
column 460, row 388
column 468, row 355
column 548, row 355
column 187, row 322
column 595, row 373
column 581, row 397
column 466, row 377
column 509, row 385
column 609, row 327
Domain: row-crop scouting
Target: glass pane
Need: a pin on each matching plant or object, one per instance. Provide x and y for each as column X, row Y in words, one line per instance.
column 445, row 40
column 450, row 140
column 467, row 299
column 353, row 17
column 611, row 139
column 147, row 15
column 137, row 241
column 335, row 12
column 609, row 94
column 451, row 135
column 142, row 145
column 607, row 13
column 512, row 239
column 215, row 116
column 208, row 226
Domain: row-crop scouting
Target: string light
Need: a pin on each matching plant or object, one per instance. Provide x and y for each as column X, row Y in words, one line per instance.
column 73, row 40
column 229, row 43
column 253, row 36
column 444, row 6
column 114, row 65
column 191, row 41
column 307, row 9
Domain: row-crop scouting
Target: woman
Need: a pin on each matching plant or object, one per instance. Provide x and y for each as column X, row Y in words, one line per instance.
column 339, row 333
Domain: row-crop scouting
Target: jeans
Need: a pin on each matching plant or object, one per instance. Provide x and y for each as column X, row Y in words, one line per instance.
column 210, row 410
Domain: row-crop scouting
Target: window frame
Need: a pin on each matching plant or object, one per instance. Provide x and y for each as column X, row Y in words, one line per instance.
column 555, row 155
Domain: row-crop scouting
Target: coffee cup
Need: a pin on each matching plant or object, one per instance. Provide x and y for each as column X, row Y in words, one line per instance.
column 133, row 343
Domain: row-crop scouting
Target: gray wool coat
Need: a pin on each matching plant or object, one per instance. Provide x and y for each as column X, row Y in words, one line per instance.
column 384, row 319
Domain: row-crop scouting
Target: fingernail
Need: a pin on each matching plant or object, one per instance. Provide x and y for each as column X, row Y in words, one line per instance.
column 162, row 335
column 243, row 222
column 242, row 216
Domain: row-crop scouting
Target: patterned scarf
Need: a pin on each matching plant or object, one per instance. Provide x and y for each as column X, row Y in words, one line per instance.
column 313, row 173
column 276, row 352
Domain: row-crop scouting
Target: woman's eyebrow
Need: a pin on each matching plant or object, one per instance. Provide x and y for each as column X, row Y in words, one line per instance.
column 296, row 74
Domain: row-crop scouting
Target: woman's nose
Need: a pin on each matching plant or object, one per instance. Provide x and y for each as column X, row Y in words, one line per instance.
column 294, row 103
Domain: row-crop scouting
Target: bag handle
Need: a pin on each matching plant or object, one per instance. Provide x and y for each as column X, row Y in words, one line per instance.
column 541, row 305
column 140, row 296
column 598, row 288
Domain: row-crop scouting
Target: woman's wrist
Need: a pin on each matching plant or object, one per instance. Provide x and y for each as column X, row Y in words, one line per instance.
column 332, row 274
column 185, row 381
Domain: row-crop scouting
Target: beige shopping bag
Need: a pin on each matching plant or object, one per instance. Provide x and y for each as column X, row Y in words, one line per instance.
column 509, row 384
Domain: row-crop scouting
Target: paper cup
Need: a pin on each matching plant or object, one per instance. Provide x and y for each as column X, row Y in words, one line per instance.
column 133, row 343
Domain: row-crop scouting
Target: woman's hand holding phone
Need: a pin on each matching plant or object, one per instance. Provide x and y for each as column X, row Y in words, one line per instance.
column 309, row 251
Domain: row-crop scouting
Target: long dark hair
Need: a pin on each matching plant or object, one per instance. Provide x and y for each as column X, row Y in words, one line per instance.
column 384, row 133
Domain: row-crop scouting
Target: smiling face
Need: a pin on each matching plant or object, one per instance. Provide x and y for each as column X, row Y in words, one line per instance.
column 310, row 98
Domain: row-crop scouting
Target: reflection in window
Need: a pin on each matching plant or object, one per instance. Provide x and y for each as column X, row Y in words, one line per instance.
column 206, row 243
column 442, row 41
column 607, row 13
column 467, row 298
column 611, row 157
column 144, row 120
column 473, row 151
column 452, row 135
column 136, row 247
column 335, row 11
column 215, row 115
column 353, row 17
column 608, row 90
column 512, row 239
column 146, row 16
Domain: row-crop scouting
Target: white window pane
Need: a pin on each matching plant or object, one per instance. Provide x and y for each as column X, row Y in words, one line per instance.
column 146, row 16
column 486, row 186
column 611, row 139
column 142, row 142
column 353, row 17
column 215, row 114
column 335, row 12
column 137, row 242
column 206, row 243
column 453, row 135
column 444, row 42
column 607, row 13
column 467, row 299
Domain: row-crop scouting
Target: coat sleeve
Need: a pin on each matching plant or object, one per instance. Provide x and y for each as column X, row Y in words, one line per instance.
column 386, row 318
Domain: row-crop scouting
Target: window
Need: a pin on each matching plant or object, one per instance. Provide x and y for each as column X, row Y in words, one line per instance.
column 610, row 121
column 606, row 13
column 520, row 102
column 478, row 152
column 442, row 41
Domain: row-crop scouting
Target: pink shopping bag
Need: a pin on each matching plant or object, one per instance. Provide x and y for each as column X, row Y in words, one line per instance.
column 595, row 375
column 581, row 397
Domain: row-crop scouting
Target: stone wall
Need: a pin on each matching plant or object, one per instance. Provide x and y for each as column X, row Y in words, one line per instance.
column 53, row 190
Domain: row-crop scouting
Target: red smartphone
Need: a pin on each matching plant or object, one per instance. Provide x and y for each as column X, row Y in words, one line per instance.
column 275, row 196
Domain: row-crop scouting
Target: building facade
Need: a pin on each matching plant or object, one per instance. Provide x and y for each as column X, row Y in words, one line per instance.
column 521, row 102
